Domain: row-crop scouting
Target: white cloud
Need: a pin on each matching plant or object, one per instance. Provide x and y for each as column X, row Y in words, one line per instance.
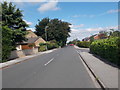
column 102, row 28
column 74, row 30
column 84, row 15
column 32, row 29
column 82, row 33
column 51, row 5
column 77, row 26
column 29, row 23
column 91, row 16
column 110, row 12
column 94, row 29
column 26, row 0
column 113, row 11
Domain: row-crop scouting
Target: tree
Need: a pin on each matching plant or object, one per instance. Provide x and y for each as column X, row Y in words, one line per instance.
column 56, row 30
column 91, row 38
column 75, row 41
column 12, row 17
column 40, row 28
column 6, row 42
column 114, row 33
column 13, row 28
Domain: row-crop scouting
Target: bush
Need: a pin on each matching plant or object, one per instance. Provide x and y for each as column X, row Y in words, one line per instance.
column 85, row 44
column 42, row 47
column 52, row 45
column 107, row 48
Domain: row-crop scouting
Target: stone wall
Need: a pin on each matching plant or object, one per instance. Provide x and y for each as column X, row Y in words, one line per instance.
column 22, row 53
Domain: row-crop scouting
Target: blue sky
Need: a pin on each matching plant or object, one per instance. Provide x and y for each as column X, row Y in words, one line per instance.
column 87, row 18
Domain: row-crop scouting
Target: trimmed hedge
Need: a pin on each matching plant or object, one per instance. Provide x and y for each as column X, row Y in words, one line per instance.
column 108, row 49
column 84, row 44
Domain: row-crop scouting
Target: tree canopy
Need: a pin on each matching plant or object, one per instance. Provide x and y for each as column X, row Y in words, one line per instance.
column 56, row 30
column 13, row 28
column 13, row 18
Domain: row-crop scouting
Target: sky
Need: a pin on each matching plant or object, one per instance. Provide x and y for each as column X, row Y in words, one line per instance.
column 86, row 18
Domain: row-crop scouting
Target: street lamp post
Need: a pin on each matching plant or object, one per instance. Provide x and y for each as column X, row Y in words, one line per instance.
column 46, row 36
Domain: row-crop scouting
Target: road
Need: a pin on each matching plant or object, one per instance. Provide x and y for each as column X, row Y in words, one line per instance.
column 59, row 69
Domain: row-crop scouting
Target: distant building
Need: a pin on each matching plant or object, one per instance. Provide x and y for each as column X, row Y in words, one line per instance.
column 100, row 36
column 33, row 41
column 96, row 37
column 86, row 39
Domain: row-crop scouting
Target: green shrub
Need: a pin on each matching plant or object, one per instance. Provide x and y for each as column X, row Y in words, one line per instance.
column 42, row 47
column 85, row 44
column 107, row 48
column 52, row 46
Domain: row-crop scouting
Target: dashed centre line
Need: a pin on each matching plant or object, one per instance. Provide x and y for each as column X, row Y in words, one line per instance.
column 49, row 61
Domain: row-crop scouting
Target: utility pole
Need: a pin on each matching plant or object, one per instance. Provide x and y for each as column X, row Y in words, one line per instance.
column 46, row 35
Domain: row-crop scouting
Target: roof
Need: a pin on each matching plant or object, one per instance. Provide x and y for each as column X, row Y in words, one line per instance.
column 32, row 40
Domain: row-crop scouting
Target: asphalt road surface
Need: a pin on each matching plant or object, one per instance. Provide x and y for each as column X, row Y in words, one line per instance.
column 59, row 69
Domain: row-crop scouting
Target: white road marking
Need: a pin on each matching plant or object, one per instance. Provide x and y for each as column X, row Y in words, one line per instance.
column 49, row 61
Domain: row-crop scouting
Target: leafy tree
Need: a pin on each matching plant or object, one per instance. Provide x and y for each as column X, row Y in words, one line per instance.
column 6, row 42
column 56, row 30
column 75, row 41
column 91, row 38
column 13, row 28
column 114, row 33
column 40, row 28
column 12, row 17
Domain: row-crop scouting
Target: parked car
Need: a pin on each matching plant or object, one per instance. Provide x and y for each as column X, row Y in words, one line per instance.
column 71, row 44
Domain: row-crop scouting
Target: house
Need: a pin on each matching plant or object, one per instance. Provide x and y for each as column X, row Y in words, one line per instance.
column 33, row 41
column 100, row 36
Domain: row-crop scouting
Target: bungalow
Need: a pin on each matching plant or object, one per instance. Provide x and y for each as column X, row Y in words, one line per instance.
column 33, row 41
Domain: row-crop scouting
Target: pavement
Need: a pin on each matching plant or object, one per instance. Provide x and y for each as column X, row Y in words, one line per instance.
column 105, row 72
column 61, row 68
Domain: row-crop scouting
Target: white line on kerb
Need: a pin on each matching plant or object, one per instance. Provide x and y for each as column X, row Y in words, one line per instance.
column 49, row 61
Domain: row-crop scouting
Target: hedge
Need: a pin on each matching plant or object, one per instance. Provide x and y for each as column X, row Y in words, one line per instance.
column 50, row 46
column 84, row 44
column 108, row 49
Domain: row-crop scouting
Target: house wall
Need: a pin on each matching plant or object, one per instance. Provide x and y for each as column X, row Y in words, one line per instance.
column 18, row 47
column 22, row 53
column 40, row 40
column 27, row 46
column 100, row 36
column 96, row 37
